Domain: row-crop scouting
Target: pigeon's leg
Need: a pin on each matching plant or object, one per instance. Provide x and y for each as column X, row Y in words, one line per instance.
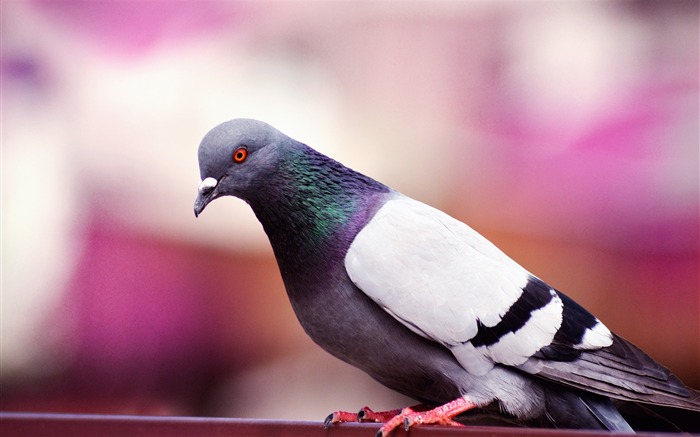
column 441, row 415
column 366, row 414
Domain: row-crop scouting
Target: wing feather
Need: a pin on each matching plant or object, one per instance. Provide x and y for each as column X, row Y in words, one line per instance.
column 622, row 371
column 443, row 280
column 447, row 283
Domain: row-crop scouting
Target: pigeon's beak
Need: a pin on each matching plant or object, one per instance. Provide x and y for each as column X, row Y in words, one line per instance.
column 205, row 195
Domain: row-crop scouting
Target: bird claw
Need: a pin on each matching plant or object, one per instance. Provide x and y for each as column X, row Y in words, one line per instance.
column 417, row 418
column 408, row 417
column 442, row 415
column 396, row 422
column 366, row 414
column 340, row 416
column 328, row 422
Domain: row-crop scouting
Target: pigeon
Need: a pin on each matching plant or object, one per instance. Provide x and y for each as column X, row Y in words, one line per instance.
column 423, row 303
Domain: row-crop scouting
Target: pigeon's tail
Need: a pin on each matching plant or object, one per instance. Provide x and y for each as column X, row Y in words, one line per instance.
column 582, row 410
column 578, row 409
column 606, row 413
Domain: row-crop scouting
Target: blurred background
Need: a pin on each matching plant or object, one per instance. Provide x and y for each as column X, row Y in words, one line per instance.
column 565, row 132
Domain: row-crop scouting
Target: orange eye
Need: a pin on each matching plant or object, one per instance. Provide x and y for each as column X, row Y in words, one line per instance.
column 240, row 155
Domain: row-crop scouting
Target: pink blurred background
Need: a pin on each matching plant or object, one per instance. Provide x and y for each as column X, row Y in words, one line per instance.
column 566, row 132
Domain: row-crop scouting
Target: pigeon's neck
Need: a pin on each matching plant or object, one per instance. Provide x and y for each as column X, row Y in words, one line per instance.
column 312, row 209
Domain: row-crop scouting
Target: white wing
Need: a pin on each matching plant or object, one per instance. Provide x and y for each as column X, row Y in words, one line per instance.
column 444, row 281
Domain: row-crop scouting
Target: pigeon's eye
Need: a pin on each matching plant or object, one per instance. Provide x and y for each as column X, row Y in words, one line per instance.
column 240, row 155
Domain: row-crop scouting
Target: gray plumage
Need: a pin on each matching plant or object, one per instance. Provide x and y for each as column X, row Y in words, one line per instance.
column 420, row 301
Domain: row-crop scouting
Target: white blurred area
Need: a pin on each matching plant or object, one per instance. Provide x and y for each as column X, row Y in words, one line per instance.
column 565, row 131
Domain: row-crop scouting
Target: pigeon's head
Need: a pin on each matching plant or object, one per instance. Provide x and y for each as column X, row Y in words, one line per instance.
column 234, row 158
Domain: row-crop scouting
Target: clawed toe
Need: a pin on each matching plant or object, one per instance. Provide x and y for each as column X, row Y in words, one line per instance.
column 416, row 418
column 367, row 415
column 340, row 416
column 408, row 417
column 329, row 420
column 442, row 415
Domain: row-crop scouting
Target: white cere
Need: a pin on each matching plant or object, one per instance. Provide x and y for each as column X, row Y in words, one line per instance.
column 207, row 185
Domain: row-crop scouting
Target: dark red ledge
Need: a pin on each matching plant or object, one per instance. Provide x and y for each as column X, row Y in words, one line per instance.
column 38, row 425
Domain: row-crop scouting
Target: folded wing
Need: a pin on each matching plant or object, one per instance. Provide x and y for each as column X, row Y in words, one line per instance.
column 444, row 281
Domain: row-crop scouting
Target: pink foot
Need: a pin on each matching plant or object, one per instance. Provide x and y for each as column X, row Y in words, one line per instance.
column 441, row 415
column 366, row 414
